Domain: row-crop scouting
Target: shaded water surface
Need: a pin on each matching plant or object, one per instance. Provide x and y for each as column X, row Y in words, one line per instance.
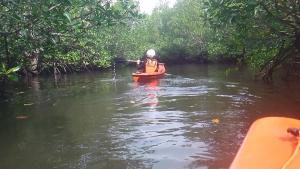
column 194, row 117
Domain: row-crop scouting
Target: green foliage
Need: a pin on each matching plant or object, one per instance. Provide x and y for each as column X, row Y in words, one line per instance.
column 176, row 33
column 60, row 34
column 265, row 32
column 8, row 73
column 86, row 34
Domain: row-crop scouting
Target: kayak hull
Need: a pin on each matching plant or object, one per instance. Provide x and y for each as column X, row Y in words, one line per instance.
column 267, row 145
column 141, row 77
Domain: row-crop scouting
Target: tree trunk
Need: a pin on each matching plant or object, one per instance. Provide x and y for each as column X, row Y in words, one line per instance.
column 7, row 51
column 34, row 64
column 284, row 54
column 33, row 58
column 297, row 42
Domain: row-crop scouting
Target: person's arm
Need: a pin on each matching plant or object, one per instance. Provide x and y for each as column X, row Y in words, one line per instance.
column 141, row 60
column 141, row 64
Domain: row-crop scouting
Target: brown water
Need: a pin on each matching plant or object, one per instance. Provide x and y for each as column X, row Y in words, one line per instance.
column 195, row 117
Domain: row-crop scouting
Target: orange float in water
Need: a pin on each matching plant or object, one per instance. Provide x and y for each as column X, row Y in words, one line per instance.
column 268, row 145
column 140, row 77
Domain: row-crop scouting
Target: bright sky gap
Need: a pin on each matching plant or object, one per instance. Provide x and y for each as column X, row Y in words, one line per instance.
column 147, row 6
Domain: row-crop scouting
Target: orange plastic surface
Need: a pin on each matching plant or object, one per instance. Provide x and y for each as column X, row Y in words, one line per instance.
column 267, row 145
column 146, row 76
column 150, row 66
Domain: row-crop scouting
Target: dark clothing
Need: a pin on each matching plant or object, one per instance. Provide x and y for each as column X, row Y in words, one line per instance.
column 141, row 67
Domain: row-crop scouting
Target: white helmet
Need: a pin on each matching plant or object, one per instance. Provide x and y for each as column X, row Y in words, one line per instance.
column 150, row 53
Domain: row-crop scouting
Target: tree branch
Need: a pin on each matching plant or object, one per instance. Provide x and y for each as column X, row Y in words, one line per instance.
column 284, row 21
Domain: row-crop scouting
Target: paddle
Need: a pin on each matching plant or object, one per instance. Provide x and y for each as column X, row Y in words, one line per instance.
column 121, row 60
column 135, row 61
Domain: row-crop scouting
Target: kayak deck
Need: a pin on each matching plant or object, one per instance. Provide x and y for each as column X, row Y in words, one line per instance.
column 267, row 145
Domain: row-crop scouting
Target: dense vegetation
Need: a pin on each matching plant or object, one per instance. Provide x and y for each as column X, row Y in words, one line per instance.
column 265, row 32
column 60, row 36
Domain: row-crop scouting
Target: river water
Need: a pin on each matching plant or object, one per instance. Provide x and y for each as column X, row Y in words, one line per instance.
column 194, row 117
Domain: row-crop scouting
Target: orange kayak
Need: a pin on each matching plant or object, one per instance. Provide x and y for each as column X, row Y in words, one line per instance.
column 138, row 77
column 268, row 145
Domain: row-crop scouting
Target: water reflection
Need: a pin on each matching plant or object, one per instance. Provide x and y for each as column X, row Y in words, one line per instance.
column 146, row 93
column 155, row 135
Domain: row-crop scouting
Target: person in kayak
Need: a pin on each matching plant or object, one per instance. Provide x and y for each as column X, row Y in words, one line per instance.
column 149, row 63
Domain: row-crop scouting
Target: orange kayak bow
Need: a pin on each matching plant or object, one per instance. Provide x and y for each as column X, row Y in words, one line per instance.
column 268, row 145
